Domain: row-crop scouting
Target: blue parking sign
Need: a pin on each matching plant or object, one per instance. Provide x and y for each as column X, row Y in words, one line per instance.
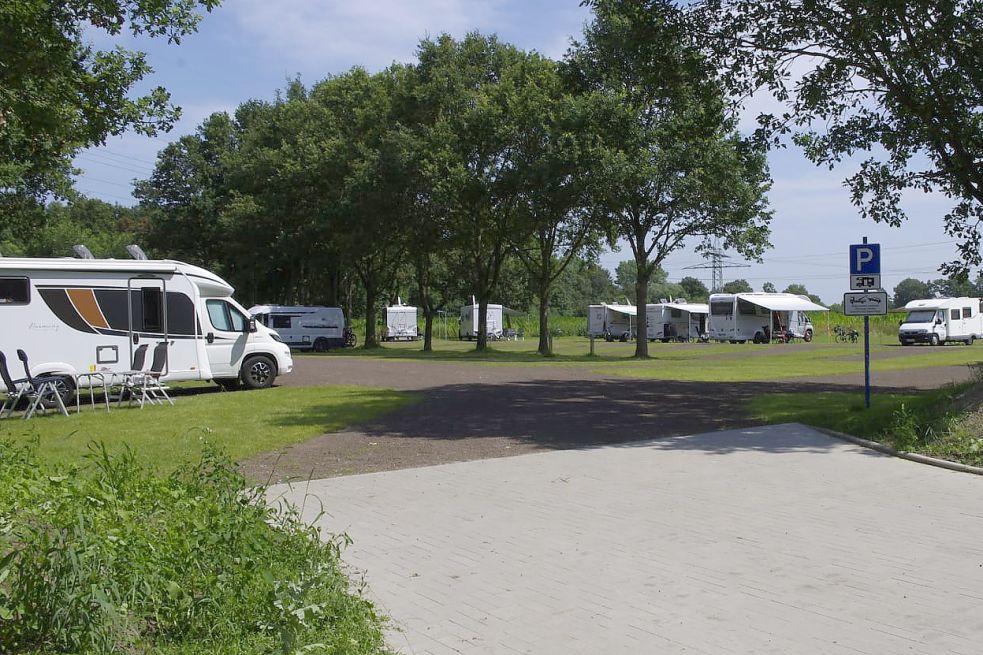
column 865, row 259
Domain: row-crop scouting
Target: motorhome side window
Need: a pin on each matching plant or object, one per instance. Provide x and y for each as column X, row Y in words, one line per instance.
column 954, row 314
column 967, row 312
column 746, row 308
column 15, row 291
column 281, row 322
column 225, row 317
column 722, row 307
column 153, row 313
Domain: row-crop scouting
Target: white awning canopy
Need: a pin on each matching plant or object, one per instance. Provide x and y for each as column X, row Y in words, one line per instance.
column 627, row 310
column 784, row 303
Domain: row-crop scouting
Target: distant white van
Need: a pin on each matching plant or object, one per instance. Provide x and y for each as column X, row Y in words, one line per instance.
column 940, row 320
column 306, row 327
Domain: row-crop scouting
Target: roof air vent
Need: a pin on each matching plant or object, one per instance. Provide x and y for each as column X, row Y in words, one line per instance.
column 136, row 252
column 82, row 252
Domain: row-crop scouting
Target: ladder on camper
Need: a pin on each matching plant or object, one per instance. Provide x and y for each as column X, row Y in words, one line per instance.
column 779, row 330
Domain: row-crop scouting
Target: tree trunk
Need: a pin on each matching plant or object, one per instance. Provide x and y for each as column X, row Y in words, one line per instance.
column 371, row 295
column 544, row 328
column 641, row 299
column 426, row 302
column 482, row 324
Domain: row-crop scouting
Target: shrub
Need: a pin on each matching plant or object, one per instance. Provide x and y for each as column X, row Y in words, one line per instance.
column 107, row 558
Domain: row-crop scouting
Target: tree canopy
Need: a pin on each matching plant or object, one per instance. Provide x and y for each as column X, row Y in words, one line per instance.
column 899, row 81
column 58, row 94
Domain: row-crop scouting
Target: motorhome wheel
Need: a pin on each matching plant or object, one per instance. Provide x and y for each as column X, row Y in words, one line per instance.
column 970, row 340
column 934, row 340
column 258, row 372
column 320, row 345
column 66, row 389
column 807, row 337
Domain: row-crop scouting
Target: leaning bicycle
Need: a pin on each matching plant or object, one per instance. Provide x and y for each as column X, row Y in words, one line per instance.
column 843, row 335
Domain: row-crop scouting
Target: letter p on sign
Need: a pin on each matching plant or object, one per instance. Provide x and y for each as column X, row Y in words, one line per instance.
column 865, row 259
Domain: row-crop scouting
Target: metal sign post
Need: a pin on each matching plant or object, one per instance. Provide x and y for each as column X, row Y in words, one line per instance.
column 865, row 276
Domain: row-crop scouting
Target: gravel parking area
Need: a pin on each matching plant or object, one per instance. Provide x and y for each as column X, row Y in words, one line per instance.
column 474, row 411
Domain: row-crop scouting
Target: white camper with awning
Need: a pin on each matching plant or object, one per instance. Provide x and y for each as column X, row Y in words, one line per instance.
column 761, row 317
column 498, row 322
column 676, row 321
column 611, row 322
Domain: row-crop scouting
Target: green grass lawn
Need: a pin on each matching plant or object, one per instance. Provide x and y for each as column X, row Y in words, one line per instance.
column 241, row 424
column 926, row 423
column 686, row 362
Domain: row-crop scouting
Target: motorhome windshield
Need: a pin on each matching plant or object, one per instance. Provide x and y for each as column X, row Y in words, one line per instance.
column 921, row 316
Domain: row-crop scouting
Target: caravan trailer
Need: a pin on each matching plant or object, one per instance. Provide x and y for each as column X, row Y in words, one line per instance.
column 761, row 317
column 468, row 327
column 939, row 320
column 75, row 316
column 401, row 323
column 611, row 321
column 306, row 327
column 676, row 321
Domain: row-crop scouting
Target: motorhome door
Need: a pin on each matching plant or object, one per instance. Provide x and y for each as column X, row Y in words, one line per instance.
column 225, row 337
column 148, row 315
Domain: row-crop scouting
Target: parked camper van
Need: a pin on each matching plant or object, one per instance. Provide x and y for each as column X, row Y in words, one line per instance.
column 761, row 317
column 611, row 322
column 76, row 316
column 676, row 321
column 401, row 323
column 940, row 320
column 306, row 327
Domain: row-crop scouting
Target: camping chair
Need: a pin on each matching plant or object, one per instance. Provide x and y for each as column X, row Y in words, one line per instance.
column 136, row 368
column 15, row 389
column 145, row 386
column 42, row 389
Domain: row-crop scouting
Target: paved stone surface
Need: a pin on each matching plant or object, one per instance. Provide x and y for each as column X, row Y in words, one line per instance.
column 765, row 540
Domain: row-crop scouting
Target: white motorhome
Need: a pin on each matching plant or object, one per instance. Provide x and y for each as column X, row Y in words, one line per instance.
column 676, row 321
column 939, row 320
column 401, row 323
column 76, row 316
column 306, row 327
column 761, row 317
column 611, row 321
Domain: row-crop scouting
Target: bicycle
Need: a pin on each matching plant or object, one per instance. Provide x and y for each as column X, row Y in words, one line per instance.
column 843, row 335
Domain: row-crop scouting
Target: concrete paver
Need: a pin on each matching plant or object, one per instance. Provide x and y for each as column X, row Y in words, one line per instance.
column 766, row 540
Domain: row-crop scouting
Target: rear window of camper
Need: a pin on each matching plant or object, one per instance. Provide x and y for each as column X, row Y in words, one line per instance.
column 15, row 291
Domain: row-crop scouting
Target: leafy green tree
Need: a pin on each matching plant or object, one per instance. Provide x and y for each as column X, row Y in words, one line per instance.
column 768, row 287
column 952, row 287
column 554, row 143
column 59, row 94
column 471, row 138
column 672, row 168
column 694, row 289
column 800, row 290
column 581, row 284
column 737, row 286
column 910, row 289
column 898, row 80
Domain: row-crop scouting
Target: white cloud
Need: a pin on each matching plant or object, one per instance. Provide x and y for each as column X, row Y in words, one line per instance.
column 339, row 35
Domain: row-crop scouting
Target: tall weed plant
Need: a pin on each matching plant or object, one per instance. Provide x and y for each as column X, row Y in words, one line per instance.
column 107, row 558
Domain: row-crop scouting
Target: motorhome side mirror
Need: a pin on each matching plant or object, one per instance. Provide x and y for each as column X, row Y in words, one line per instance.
column 251, row 327
column 900, row 323
column 938, row 321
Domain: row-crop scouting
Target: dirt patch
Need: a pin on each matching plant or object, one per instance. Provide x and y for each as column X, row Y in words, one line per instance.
column 476, row 412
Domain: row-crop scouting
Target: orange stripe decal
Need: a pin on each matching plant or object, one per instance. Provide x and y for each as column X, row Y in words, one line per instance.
column 86, row 304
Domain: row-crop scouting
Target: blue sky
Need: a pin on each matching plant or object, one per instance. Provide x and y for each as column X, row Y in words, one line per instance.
column 249, row 48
